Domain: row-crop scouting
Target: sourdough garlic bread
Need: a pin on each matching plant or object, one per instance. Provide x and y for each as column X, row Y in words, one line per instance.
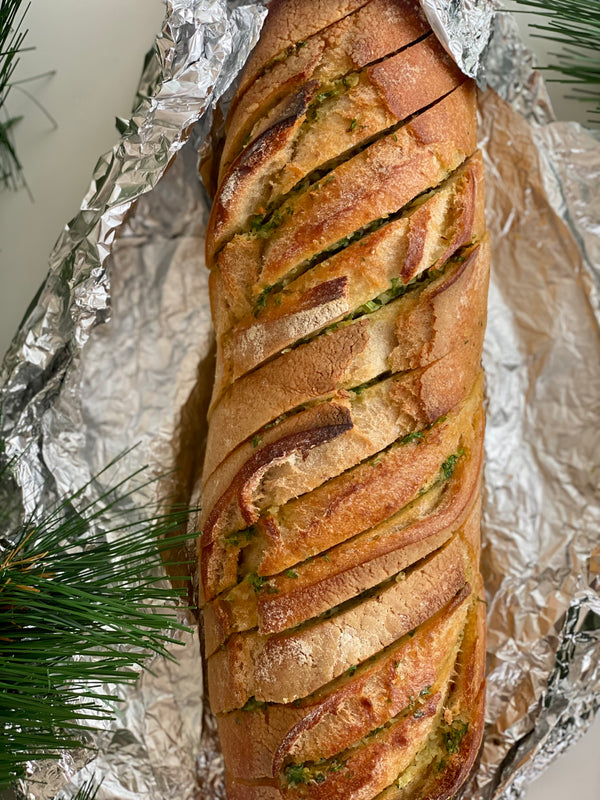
column 343, row 613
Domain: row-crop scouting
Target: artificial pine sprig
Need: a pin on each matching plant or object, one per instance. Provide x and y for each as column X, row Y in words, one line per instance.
column 79, row 608
column 11, row 44
column 574, row 24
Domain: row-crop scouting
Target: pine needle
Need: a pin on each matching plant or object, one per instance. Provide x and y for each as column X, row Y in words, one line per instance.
column 79, row 608
column 12, row 36
column 575, row 25
column 88, row 791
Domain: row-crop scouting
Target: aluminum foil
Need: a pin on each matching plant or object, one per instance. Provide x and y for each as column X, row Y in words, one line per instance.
column 117, row 351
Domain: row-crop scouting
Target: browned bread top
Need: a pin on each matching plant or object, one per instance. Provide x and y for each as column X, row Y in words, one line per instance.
column 331, row 719
column 285, row 667
column 334, row 27
column 435, row 772
column 396, row 253
column 314, row 586
column 321, row 61
column 341, row 490
column 288, row 23
column 342, row 507
column 311, row 128
column 408, row 333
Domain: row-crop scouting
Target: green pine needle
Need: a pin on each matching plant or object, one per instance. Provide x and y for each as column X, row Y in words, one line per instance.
column 88, row 791
column 80, row 608
column 12, row 36
column 575, row 25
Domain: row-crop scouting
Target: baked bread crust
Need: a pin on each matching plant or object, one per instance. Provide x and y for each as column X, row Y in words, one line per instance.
column 354, row 35
column 304, row 130
column 406, row 334
column 343, row 622
column 285, row 667
column 367, row 559
column 341, row 712
column 426, row 235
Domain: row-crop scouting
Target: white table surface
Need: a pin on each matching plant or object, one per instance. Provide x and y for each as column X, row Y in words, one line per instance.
column 97, row 67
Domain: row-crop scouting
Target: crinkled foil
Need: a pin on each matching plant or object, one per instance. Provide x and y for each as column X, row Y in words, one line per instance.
column 117, row 350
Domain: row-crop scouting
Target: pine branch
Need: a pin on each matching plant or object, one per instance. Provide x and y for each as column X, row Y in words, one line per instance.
column 575, row 25
column 12, row 36
column 79, row 608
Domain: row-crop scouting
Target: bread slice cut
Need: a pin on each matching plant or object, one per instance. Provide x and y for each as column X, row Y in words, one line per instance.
column 302, row 451
column 375, row 183
column 373, row 762
column 287, row 24
column 363, row 104
column 332, row 53
column 343, row 45
column 441, row 760
column 258, row 740
column 426, row 234
column 314, row 586
column 318, row 125
column 408, row 333
column 360, row 498
column 285, row 667
column 445, row 764
column 342, row 507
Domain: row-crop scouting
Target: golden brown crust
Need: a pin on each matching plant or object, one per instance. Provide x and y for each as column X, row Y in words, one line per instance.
column 344, row 711
column 449, row 767
column 288, row 23
column 319, row 584
column 326, row 59
column 341, row 490
column 315, row 125
column 429, row 234
column 374, row 183
column 351, row 35
column 361, row 497
column 239, row 790
column 371, row 766
column 342, row 507
column 344, row 434
column 409, row 333
column 285, row 667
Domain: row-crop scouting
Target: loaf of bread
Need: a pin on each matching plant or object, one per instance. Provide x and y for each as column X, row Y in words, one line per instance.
column 343, row 612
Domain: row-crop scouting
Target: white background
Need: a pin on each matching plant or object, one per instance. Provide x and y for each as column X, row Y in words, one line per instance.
column 97, row 48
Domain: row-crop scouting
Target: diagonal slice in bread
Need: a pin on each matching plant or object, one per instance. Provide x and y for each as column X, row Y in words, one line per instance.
column 342, row 507
column 375, row 183
column 408, row 333
column 363, row 105
column 316, row 127
column 360, row 498
column 314, row 586
column 444, row 766
column 369, row 766
column 426, row 234
column 257, row 741
column 302, row 451
column 284, row 667
column 333, row 52
column 378, row 181
column 287, row 24
column 441, row 759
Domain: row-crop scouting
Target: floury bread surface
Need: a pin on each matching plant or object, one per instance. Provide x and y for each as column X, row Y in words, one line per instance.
column 343, row 613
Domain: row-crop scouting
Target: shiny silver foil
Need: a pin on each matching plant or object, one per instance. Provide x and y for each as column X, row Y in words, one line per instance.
column 117, row 350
